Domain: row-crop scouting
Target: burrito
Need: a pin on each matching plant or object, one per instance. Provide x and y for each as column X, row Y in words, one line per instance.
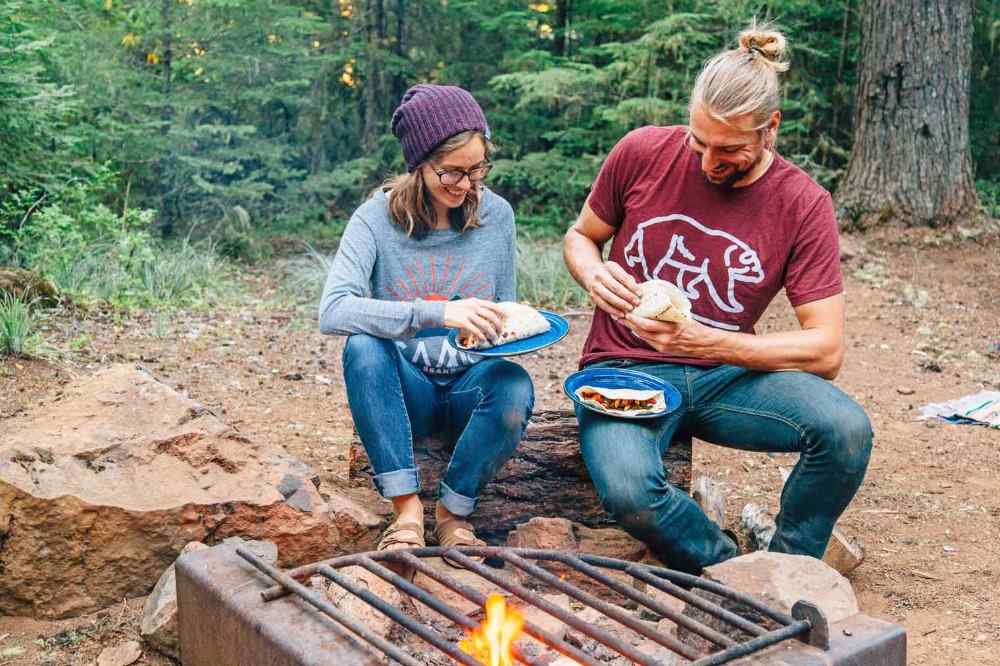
column 663, row 301
column 520, row 321
column 622, row 401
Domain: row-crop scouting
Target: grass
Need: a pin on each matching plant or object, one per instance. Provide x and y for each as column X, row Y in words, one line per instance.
column 542, row 277
column 16, row 326
column 165, row 274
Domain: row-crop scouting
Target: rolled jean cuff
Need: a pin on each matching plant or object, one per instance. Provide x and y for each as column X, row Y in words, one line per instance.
column 460, row 505
column 398, row 482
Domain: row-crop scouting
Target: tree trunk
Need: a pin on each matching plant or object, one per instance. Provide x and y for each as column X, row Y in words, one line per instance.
column 561, row 37
column 166, row 183
column 910, row 158
column 375, row 76
column 545, row 477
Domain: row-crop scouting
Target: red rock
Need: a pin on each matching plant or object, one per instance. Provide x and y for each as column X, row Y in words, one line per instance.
column 102, row 487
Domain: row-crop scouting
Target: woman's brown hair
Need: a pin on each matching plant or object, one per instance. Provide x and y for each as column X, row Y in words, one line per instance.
column 410, row 201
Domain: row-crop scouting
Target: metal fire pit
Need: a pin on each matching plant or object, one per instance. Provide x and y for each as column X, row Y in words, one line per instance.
column 232, row 614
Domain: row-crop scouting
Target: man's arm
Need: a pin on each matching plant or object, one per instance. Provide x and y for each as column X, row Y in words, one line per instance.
column 818, row 347
column 610, row 287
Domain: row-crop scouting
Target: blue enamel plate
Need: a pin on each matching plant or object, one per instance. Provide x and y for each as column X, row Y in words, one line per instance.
column 558, row 329
column 617, row 378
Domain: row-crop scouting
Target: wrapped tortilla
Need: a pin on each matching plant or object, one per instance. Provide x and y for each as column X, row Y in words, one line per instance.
column 623, row 401
column 663, row 301
column 521, row 321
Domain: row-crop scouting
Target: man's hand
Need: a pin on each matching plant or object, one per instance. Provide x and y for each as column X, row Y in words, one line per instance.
column 483, row 319
column 612, row 289
column 687, row 338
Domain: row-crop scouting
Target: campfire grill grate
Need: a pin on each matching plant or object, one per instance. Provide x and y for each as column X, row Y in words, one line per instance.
column 807, row 624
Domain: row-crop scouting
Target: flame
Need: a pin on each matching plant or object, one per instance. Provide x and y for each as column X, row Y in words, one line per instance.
column 491, row 642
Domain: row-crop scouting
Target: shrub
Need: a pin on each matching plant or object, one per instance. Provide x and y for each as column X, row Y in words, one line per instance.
column 16, row 324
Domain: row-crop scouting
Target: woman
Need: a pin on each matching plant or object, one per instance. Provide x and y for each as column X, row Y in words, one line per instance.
column 431, row 250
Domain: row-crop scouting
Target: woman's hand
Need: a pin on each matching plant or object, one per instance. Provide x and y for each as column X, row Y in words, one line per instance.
column 483, row 319
column 612, row 289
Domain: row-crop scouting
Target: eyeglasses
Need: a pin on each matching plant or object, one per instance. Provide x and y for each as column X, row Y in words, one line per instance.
column 455, row 176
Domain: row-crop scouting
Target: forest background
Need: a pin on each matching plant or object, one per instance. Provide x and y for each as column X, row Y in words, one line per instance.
column 149, row 147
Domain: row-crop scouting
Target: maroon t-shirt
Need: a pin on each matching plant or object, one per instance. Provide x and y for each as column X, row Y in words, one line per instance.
column 730, row 250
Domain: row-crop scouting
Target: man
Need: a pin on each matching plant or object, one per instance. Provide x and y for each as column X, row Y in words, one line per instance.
column 714, row 209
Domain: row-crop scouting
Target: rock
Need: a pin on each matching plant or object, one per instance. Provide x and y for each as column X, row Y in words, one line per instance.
column 564, row 535
column 561, row 534
column 27, row 285
column 905, row 390
column 102, row 487
column 367, row 614
column 159, row 614
column 463, row 576
column 915, row 296
column 759, row 525
column 357, row 516
column 663, row 656
column 778, row 580
column 543, row 620
column 120, row 655
column 711, row 497
column 544, row 534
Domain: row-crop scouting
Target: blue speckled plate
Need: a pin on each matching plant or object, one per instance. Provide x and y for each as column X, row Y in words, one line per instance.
column 618, row 378
column 558, row 329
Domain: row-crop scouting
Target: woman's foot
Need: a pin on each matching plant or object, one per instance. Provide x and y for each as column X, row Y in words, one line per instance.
column 406, row 531
column 452, row 530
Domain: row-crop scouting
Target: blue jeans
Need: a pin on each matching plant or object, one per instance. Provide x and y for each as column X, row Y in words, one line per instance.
column 787, row 412
column 484, row 410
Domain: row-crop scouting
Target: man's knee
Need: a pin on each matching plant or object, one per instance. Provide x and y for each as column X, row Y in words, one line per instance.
column 847, row 437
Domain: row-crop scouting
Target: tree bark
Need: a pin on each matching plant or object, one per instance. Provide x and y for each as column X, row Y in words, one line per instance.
column 560, row 39
column 545, row 477
column 375, row 76
column 166, row 183
column 910, row 159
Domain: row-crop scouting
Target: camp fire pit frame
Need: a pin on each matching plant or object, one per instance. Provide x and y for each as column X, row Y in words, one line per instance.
column 237, row 610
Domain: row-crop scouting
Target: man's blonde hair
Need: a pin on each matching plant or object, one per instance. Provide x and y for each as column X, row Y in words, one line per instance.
column 744, row 80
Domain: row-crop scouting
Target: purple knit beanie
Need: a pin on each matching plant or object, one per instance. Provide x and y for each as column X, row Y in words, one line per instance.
column 429, row 114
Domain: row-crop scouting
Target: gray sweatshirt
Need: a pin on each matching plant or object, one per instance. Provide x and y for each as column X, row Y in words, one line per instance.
column 392, row 286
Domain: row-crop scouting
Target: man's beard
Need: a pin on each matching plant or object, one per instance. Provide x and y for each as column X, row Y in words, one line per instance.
column 729, row 181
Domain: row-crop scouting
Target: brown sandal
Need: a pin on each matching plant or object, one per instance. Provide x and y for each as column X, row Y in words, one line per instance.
column 400, row 536
column 454, row 531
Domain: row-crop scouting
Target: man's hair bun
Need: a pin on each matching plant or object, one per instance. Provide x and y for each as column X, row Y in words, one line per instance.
column 758, row 40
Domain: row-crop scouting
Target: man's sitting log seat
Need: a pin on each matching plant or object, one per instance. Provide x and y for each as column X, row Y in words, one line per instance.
column 545, row 477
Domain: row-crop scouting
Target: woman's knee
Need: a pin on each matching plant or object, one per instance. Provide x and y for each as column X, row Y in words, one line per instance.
column 512, row 386
column 364, row 352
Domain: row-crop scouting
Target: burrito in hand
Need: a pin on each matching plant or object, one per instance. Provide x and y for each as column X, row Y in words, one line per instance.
column 520, row 321
column 663, row 301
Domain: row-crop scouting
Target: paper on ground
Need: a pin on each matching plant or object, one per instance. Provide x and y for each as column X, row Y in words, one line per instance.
column 982, row 408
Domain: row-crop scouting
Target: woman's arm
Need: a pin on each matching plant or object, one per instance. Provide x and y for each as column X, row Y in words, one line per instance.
column 347, row 306
column 507, row 280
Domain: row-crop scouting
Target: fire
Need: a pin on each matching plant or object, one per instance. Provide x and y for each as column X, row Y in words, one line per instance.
column 491, row 642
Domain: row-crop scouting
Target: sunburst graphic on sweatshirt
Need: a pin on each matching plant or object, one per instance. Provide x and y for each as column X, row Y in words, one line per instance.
column 439, row 279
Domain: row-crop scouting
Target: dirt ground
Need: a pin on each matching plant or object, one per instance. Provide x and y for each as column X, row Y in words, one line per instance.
column 923, row 322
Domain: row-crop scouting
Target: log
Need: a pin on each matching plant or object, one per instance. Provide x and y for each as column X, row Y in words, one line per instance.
column 545, row 477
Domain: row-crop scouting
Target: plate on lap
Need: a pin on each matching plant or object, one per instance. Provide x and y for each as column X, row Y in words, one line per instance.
column 640, row 387
column 558, row 328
